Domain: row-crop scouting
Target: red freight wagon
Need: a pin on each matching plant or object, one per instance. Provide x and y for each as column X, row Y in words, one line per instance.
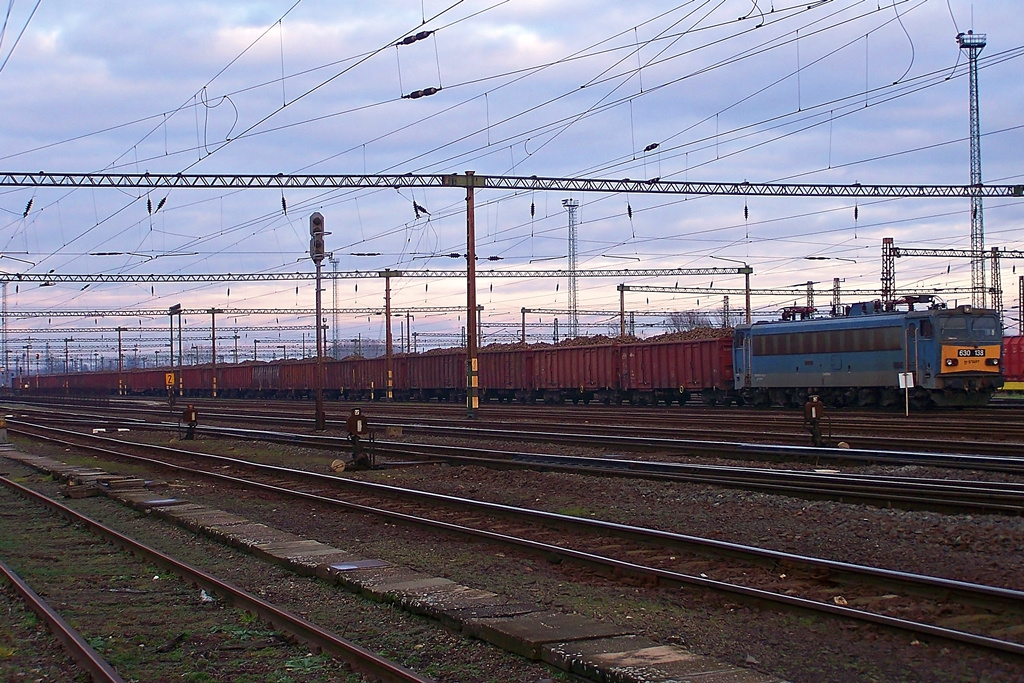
column 150, row 382
column 505, row 375
column 362, row 378
column 579, row 373
column 1013, row 363
column 298, row 378
column 195, row 382
column 266, row 378
column 234, row 381
column 432, row 375
column 88, row 382
column 673, row 370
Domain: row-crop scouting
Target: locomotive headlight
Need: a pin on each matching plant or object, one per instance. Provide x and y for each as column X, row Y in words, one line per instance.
column 991, row 361
column 950, row 362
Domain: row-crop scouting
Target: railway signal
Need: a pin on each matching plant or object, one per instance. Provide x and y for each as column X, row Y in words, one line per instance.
column 316, row 239
column 317, row 252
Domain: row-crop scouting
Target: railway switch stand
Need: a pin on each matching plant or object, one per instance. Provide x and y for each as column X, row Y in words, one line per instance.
column 191, row 419
column 358, row 432
column 814, row 410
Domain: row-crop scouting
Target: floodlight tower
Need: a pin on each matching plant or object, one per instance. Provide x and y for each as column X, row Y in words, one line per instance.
column 973, row 43
column 574, row 323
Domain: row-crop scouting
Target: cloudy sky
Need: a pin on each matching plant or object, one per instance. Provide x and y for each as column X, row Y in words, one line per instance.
column 840, row 91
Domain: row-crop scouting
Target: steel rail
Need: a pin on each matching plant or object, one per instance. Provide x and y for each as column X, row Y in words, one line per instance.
column 975, row 591
column 359, row 658
column 84, row 655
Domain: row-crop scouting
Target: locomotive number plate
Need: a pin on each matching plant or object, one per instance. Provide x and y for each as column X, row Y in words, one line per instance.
column 970, row 353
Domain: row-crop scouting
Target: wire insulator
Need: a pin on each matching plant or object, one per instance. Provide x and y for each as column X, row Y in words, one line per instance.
column 629, row 211
column 416, row 94
column 28, row 207
column 284, row 205
column 409, row 40
column 149, row 206
column 651, row 147
column 160, row 204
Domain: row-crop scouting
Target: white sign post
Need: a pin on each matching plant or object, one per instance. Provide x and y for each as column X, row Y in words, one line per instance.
column 907, row 383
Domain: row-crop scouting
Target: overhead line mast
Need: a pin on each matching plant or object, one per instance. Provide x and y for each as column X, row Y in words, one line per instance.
column 571, row 205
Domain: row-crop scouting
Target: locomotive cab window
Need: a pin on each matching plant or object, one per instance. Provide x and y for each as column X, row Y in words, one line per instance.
column 926, row 329
column 955, row 329
column 986, row 329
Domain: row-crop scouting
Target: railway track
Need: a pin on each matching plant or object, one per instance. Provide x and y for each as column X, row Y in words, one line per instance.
column 294, row 626
column 90, row 661
column 671, row 443
column 945, row 495
column 783, row 580
column 974, row 432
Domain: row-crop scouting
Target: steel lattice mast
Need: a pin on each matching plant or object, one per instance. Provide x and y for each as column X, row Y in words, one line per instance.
column 571, row 205
column 973, row 44
column 334, row 306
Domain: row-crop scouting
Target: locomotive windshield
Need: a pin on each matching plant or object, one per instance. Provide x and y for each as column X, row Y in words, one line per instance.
column 986, row 329
column 955, row 329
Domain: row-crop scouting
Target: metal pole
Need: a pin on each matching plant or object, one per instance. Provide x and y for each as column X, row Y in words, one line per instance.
column 472, row 379
column 408, row 332
column 120, row 364
column 522, row 334
column 387, row 335
column 172, row 340
column 622, row 310
column 213, row 344
column 181, row 360
column 7, row 365
column 320, row 421
column 747, row 270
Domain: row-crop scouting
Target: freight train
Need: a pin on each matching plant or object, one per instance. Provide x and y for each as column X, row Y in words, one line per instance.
column 952, row 357
column 1013, row 363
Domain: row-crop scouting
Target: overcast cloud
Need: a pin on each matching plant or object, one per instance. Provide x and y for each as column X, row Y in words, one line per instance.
column 730, row 90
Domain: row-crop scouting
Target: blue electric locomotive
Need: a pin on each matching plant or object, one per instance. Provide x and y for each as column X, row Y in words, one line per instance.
column 951, row 357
